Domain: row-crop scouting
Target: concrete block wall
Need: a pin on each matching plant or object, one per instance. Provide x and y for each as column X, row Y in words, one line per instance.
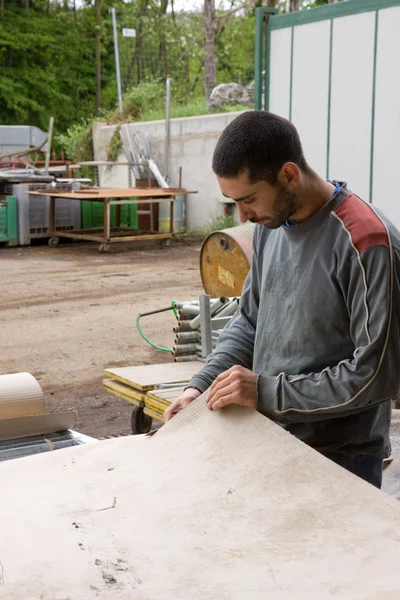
column 192, row 144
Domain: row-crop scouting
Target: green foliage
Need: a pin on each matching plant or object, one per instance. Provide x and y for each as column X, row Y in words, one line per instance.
column 48, row 62
column 115, row 146
column 216, row 224
column 77, row 142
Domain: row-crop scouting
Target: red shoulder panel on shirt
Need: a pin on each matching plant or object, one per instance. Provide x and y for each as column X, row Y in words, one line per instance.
column 365, row 227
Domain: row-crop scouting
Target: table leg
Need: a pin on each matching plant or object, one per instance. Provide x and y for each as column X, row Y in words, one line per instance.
column 52, row 216
column 118, row 214
column 107, row 231
column 171, row 216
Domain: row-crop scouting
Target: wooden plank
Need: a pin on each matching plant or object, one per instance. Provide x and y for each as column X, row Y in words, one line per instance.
column 147, row 377
column 155, row 406
column 124, row 392
column 167, row 395
column 100, row 193
column 153, row 414
column 215, row 505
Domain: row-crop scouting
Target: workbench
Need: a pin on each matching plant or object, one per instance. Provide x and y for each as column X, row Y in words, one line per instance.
column 112, row 197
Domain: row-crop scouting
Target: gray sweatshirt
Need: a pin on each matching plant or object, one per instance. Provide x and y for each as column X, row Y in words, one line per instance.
column 319, row 320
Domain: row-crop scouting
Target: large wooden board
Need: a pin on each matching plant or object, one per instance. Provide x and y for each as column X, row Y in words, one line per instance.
column 101, row 193
column 148, row 377
column 215, row 506
column 124, row 392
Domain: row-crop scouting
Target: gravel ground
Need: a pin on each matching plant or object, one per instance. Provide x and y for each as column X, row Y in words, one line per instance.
column 69, row 312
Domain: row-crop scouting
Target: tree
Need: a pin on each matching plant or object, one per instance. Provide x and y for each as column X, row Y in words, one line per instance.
column 294, row 5
column 210, row 73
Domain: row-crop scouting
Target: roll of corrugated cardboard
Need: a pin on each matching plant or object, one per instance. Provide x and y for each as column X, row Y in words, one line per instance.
column 20, row 396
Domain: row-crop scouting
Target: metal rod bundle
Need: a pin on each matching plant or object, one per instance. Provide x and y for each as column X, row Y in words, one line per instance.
column 199, row 325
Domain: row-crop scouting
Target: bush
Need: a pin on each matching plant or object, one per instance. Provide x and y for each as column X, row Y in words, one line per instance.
column 77, row 142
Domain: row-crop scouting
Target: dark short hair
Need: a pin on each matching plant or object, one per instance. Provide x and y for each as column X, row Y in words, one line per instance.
column 259, row 142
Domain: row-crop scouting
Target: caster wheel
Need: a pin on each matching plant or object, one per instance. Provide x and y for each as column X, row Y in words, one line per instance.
column 140, row 423
column 166, row 243
column 104, row 248
column 53, row 242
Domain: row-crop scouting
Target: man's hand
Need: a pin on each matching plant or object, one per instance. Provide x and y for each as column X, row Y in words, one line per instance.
column 183, row 400
column 237, row 385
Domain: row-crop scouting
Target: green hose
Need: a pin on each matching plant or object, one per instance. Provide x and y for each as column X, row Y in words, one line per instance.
column 146, row 339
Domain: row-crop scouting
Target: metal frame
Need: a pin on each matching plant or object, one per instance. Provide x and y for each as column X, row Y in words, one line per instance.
column 267, row 20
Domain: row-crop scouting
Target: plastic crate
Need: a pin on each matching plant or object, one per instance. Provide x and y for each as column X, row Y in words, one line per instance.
column 34, row 214
column 8, row 220
column 92, row 215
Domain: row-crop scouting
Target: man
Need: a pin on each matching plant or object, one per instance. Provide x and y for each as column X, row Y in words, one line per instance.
column 314, row 345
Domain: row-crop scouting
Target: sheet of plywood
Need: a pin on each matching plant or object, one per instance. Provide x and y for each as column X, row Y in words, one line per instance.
column 166, row 395
column 20, row 395
column 154, row 414
column 21, row 427
column 100, row 193
column 215, row 506
column 147, row 377
column 156, row 407
column 124, row 392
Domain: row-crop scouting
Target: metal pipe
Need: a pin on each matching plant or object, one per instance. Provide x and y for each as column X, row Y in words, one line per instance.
column 48, row 149
column 188, row 358
column 182, row 326
column 214, row 306
column 167, row 125
column 229, row 309
column 116, row 51
column 184, row 348
column 188, row 311
column 206, row 345
column 186, row 337
column 155, row 312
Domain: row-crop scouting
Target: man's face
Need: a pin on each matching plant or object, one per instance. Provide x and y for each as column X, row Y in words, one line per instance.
column 261, row 202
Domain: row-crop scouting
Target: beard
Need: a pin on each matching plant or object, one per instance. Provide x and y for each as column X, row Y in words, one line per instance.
column 286, row 205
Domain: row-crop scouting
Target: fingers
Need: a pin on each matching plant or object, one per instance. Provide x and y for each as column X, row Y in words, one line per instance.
column 223, row 401
column 222, row 392
column 172, row 410
column 221, row 377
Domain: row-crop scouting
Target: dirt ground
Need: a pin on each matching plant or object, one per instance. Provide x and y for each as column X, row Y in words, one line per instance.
column 69, row 312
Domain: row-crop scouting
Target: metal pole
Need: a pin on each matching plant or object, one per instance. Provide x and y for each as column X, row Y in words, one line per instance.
column 116, row 51
column 206, row 343
column 167, row 125
column 49, row 142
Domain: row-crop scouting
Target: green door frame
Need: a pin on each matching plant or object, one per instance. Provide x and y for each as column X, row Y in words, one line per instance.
column 267, row 20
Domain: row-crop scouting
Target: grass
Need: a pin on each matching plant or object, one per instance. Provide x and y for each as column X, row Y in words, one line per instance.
column 219, row 222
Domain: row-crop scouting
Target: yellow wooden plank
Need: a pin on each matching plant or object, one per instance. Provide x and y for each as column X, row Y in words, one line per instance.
column 154, row 405
column 153, row 414
column 167, row 395
column 117, row 390
column 147, row 377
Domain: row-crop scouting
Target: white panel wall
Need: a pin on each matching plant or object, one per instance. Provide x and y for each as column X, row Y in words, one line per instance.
column 351, row 101
column 279, row 100
column 387, row 116
column 310, row 90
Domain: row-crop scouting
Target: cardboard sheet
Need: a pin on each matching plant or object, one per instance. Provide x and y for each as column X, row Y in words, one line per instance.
column 20, row 395
column 215, row 506
column 20, row 427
